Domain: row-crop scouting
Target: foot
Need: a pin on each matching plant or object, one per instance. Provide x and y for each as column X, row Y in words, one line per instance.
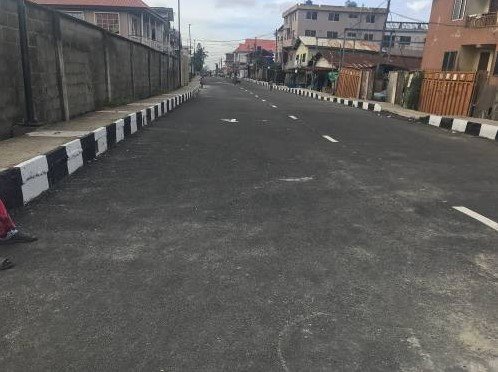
column 5, row 264
column 19, row 238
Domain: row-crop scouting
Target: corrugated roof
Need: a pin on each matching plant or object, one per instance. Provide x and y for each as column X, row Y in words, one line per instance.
column 95, row 3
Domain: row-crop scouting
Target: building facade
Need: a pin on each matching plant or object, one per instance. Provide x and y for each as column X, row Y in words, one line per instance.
column 463, row 36
column 242, row 55
column 132, row 19
column 332, row 22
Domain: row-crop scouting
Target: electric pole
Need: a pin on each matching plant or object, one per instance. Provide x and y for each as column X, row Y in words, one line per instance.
column 190, row 48
column 382, row 37
column 179, row 46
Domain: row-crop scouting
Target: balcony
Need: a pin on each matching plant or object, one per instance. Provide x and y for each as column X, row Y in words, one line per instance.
column 482, row 20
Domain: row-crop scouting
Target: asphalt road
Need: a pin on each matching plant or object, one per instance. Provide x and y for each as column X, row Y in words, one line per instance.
column 260, row 245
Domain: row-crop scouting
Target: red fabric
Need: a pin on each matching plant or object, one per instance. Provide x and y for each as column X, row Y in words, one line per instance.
column 6, row 223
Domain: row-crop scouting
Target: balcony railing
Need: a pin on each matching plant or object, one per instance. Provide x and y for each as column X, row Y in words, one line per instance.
column 482, row 20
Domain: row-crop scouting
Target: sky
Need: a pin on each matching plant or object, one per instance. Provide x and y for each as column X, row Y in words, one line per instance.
column 220, row 25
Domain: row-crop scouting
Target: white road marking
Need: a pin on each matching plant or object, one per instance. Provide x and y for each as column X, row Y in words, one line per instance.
column 478, row 217
column 263, row 100
column 256, row 96
column 273, row 106
column 301, row 179
column 293, row 117
column 230, row 120
column 330, row 139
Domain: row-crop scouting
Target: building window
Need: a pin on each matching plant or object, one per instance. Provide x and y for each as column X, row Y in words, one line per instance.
column 309, row 33
column 78, row 15
column 405, row 40
column 331, row 34
column 368, row 37
column 135, row 27
column 449, row 60
column 334, row 17
column 108, row 21
column 351, row 35
column 312, row 15
column 353, row 15
column 370, row 18
column 458, row 9
column 303, row 57
column 495, row 71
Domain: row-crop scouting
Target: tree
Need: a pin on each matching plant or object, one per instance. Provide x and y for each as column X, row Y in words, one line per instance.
column 351, row 3
column 198, row 58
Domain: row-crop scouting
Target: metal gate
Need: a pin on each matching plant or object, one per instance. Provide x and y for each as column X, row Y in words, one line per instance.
column 349, row 83
column 447, row 93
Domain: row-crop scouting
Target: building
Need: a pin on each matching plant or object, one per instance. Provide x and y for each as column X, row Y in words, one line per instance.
column 332, row 22
column 405, row 38
column 242, row 55
column 463, row 36
column 132, row 19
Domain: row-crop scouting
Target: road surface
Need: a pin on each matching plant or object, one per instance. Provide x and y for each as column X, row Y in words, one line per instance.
column 252, row 230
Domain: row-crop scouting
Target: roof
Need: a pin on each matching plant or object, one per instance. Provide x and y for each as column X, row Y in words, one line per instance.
column 310, row 41
column 334, row 8
column 95, row 3
column 249, row 45
column 362, row 60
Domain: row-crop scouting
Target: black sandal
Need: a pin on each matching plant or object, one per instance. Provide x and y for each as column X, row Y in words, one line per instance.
column 5, row 264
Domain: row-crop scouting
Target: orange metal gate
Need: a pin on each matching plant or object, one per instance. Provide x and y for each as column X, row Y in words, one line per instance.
column 447, row 93
column 349, row 83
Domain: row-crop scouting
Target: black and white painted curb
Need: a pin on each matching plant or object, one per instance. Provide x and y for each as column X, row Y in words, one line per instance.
column 319, row 96
column 455, row 124
column 26, row 181
column 465, row 126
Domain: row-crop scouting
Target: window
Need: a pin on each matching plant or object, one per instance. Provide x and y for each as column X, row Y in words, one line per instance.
column 135, row 27
column 370, row 18
column 449, row 60
column 405, row 40
column 495, row 71
column 108, row 21
column 309, row 33
column 353, row 15
column 78, row 15
column 458, row 9
column 368, row 37
column 351, row 35
column 331, row 35
column 334, row 17
column 312, row 15
column 303, row 57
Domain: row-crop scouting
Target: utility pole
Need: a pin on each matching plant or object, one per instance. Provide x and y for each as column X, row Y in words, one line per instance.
column 382, row 37
column 190, row 49
column 179, row 46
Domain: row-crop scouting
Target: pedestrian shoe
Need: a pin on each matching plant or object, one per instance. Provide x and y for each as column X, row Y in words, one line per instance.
column 5, row 264
column 19, row 238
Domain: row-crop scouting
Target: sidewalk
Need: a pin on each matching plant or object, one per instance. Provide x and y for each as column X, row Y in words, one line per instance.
column 474, row 126
column 32, row 163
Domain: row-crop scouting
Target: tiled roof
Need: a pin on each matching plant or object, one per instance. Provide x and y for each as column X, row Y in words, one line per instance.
column 95, row 3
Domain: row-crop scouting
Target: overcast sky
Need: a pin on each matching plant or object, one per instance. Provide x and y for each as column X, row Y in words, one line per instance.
column 221, row 20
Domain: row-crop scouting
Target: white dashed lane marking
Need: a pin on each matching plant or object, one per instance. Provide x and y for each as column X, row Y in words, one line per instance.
column 328, row 138
column 273, row 106
column 478, row 217
column 293, row 117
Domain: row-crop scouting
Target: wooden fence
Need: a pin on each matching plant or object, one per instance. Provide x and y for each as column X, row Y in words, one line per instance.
column 349, row 83
column 448, row 93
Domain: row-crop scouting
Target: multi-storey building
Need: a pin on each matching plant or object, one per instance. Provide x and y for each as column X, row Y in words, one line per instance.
column 463, row 36
column 132, row 19
column 242, row 55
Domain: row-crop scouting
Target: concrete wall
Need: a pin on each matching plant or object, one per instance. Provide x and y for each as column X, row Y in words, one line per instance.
column 75, row 68
column 12, row 92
